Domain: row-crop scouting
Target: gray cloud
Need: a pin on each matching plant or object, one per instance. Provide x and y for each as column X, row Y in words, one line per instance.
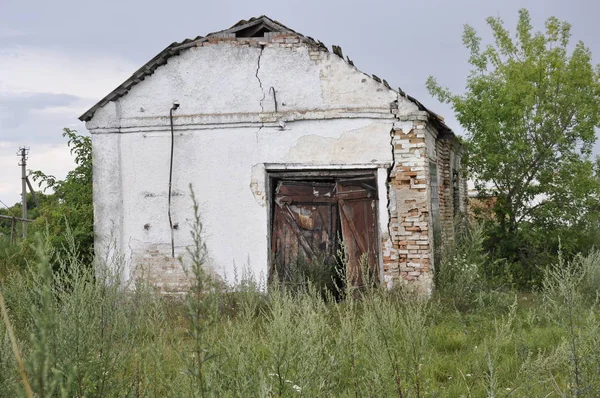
column 16, row 109
column 401, row 41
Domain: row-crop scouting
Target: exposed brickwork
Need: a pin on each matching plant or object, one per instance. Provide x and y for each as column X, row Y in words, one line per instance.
column 446, row 192
column 279, row 40
column 154, row 265
column 463, row 188
column 452, row 184
column 408, row 247
column 406, row 255
column 160, row 270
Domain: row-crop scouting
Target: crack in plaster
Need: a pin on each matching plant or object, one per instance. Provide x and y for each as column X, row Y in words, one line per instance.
column 262, row 109
column 262, row 48
column 388, row 188
column 389, row 179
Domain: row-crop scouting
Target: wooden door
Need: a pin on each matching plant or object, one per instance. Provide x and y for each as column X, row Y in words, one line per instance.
column 357, row 199
column 305, row 225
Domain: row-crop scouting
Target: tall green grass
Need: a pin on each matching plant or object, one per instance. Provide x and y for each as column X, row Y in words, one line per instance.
column 82, row 333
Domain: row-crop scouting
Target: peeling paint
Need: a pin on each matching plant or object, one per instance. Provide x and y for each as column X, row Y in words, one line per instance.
column 365, row 144
column 257, row 184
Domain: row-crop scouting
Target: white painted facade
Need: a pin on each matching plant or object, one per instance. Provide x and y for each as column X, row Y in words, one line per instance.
column 227, row 137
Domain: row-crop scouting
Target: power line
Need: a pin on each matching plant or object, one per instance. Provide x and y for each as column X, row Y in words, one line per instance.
column 5, row 205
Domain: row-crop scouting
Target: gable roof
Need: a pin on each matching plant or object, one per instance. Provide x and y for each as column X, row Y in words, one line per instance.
column 255, row 28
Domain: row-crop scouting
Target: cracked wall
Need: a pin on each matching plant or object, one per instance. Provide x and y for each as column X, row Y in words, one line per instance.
column 229, row 132
column 408, row 249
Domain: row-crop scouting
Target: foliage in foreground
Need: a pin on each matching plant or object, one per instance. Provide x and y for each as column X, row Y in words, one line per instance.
column 82, row 334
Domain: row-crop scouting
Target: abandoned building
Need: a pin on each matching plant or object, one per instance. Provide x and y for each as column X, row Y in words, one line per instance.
column 292, row 152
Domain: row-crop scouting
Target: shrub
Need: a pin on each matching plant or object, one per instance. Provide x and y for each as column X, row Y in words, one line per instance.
column 460, row 276
column 567, row 287
column 590, row 267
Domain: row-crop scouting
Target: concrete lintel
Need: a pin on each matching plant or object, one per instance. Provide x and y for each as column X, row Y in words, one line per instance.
column 311, row 166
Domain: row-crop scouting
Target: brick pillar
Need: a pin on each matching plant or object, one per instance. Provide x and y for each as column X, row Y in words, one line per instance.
column 407, row 250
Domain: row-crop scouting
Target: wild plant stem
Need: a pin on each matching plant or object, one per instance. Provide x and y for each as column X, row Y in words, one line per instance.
column 15, row 347
column 391, row 355
column 573, row 343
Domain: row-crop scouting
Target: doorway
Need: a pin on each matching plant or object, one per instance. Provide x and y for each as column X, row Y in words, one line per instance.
column 324, row 226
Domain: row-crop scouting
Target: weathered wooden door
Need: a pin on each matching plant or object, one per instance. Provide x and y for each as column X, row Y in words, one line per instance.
column 357, row 200
column 311, row 217
column 305, row 224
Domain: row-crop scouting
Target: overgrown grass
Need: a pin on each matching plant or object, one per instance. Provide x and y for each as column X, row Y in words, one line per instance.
column 83, row 334
column 11, row 257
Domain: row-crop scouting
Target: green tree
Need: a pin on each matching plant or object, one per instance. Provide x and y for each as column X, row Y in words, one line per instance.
column 530, row 108
column 14, row 252
column 71, row 205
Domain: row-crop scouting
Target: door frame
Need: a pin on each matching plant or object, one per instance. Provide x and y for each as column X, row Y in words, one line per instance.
column 292, row 172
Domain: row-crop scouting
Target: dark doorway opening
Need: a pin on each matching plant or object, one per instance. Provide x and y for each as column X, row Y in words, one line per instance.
column 324, row 228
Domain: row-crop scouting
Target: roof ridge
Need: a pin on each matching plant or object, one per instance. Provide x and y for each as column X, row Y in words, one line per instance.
column 243, row 24
column 176, row 47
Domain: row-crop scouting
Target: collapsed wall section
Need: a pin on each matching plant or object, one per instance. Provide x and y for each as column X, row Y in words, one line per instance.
column 407, row 246
column 426, row 193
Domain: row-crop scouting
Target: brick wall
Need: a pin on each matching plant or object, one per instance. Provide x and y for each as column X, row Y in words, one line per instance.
column 283, row 40
column 169, row 275
column 453, row 184
column 443, row 146
column 160, row 270
column 406, row 249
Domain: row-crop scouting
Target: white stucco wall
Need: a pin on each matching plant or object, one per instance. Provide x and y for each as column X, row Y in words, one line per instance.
column 330, row 115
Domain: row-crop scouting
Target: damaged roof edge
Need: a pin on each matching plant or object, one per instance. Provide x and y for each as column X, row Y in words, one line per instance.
column 174, row 49
column 177, row 47
column 437, row 119
column 146, row 70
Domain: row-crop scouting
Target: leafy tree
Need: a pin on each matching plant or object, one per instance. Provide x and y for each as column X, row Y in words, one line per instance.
column 530, row 108
column 13, row 252
column 70, row 206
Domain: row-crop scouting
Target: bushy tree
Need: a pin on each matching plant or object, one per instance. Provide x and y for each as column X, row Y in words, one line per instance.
column 68, row 206
column 530, row 108
column 71, row 204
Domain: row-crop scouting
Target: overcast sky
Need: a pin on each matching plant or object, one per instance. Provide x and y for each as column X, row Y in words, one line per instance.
column 58, row 58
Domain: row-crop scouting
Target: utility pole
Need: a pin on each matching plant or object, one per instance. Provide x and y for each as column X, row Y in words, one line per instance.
column 23, row 152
